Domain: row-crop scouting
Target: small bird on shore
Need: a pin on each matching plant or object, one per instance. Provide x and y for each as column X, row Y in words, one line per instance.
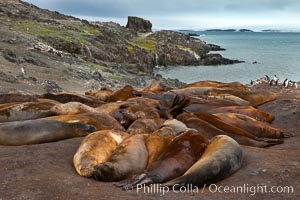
column 286, row 83
column 23, row 70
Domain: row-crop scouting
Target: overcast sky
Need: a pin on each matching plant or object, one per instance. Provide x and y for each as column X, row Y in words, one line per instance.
column 186, row 14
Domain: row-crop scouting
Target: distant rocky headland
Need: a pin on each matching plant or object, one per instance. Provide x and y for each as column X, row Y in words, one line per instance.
column 45, row 50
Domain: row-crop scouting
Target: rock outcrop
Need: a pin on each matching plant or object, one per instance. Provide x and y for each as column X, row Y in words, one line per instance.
column 70, row 51
column 139, row 24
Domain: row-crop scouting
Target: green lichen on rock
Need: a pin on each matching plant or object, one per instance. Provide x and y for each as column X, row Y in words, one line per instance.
column 130, row 48
column 66, row 37
column 145, row 43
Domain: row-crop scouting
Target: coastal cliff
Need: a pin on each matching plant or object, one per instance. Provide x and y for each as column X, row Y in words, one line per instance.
column 67, row 52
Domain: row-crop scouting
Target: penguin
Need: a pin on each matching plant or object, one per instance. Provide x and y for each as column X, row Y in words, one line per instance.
column 286, row 83
column 276, row 79
column 294, row 84
column 267, row 78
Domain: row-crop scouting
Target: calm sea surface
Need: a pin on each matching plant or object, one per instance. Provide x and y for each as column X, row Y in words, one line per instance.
column 276, row 53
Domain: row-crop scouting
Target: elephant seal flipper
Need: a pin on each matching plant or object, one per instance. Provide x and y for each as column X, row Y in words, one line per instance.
column 222, row 157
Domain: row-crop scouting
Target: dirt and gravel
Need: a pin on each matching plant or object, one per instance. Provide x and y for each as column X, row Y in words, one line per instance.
column 45, row 171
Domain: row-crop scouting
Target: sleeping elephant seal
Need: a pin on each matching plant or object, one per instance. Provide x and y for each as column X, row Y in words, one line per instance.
column 101, row 94
column 41, row 131
column 145, row 126
column 96, row 148
column 251, row 125
column 26, row 111
column 157, row 142
column 123, row 94
column 101, row 121
column 71, row 108
column 211, row 131
column 65, row 97
column 235, row 85
column 11, row 98
column 176, row 158
column 245, row 110
column 255, row 98
column 129, row 158
column 156, row 87
column 177, row 126
column 222, row 157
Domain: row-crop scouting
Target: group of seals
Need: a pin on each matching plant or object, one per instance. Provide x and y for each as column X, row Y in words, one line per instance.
column 153, row 135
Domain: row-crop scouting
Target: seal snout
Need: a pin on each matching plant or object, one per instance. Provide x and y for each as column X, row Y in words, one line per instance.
column 102, row 172
column 90, row 128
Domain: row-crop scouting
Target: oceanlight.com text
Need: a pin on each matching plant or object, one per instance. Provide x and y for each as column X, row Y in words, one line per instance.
column 213, row 188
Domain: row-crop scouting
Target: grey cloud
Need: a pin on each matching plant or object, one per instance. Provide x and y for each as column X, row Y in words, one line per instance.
column 163, row 11
column 122, row 8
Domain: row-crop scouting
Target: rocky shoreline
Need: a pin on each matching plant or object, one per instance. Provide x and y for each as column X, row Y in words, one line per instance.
column 60, row 52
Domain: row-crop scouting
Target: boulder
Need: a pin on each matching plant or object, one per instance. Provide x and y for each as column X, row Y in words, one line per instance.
column 139, row 24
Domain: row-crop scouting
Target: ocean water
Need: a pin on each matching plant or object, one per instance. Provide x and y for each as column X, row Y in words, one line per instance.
column 276, row 53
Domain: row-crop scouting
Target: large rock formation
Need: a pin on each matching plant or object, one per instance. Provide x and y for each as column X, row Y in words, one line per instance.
column 139, row 24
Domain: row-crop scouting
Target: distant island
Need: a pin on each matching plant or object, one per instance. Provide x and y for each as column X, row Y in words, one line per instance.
column 245, row 30
column 270, row 30
column 219, row 30
column 229, row 30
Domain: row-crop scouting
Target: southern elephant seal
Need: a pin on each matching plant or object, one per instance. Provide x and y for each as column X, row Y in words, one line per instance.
column 41, row 131
column 222, row 157
column 129, row 158
column 96, row 148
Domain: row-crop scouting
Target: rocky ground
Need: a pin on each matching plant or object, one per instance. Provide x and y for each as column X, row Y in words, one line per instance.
column 45, row 171
column 61, row 52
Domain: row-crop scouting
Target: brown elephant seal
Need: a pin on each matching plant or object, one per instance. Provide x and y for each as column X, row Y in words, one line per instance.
column 17, row 98
column 101, row 121
column 244, row 110
column 156, row 87
column 139, row 111
column 129, row 158
column 251, row 125
column 128, row 115
column 207, row 83
column 231, row 98
column 176, row 125
column 194, row 91
column 41, row 131
column 96, row 148
column 167, row 100
column 210, row 131
column 123, row 117
column 203, row 104
column 255, row 98
column 26, row 111
column 235, row 85
column 101, row 94
column 145, row 102
column 110, row 107
column 219, row 123
column 71, row 108
column 71, row 97
column 123, row 94
column 176, row 158
column 157, row 141
column 145, row 126
column 222, row 157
